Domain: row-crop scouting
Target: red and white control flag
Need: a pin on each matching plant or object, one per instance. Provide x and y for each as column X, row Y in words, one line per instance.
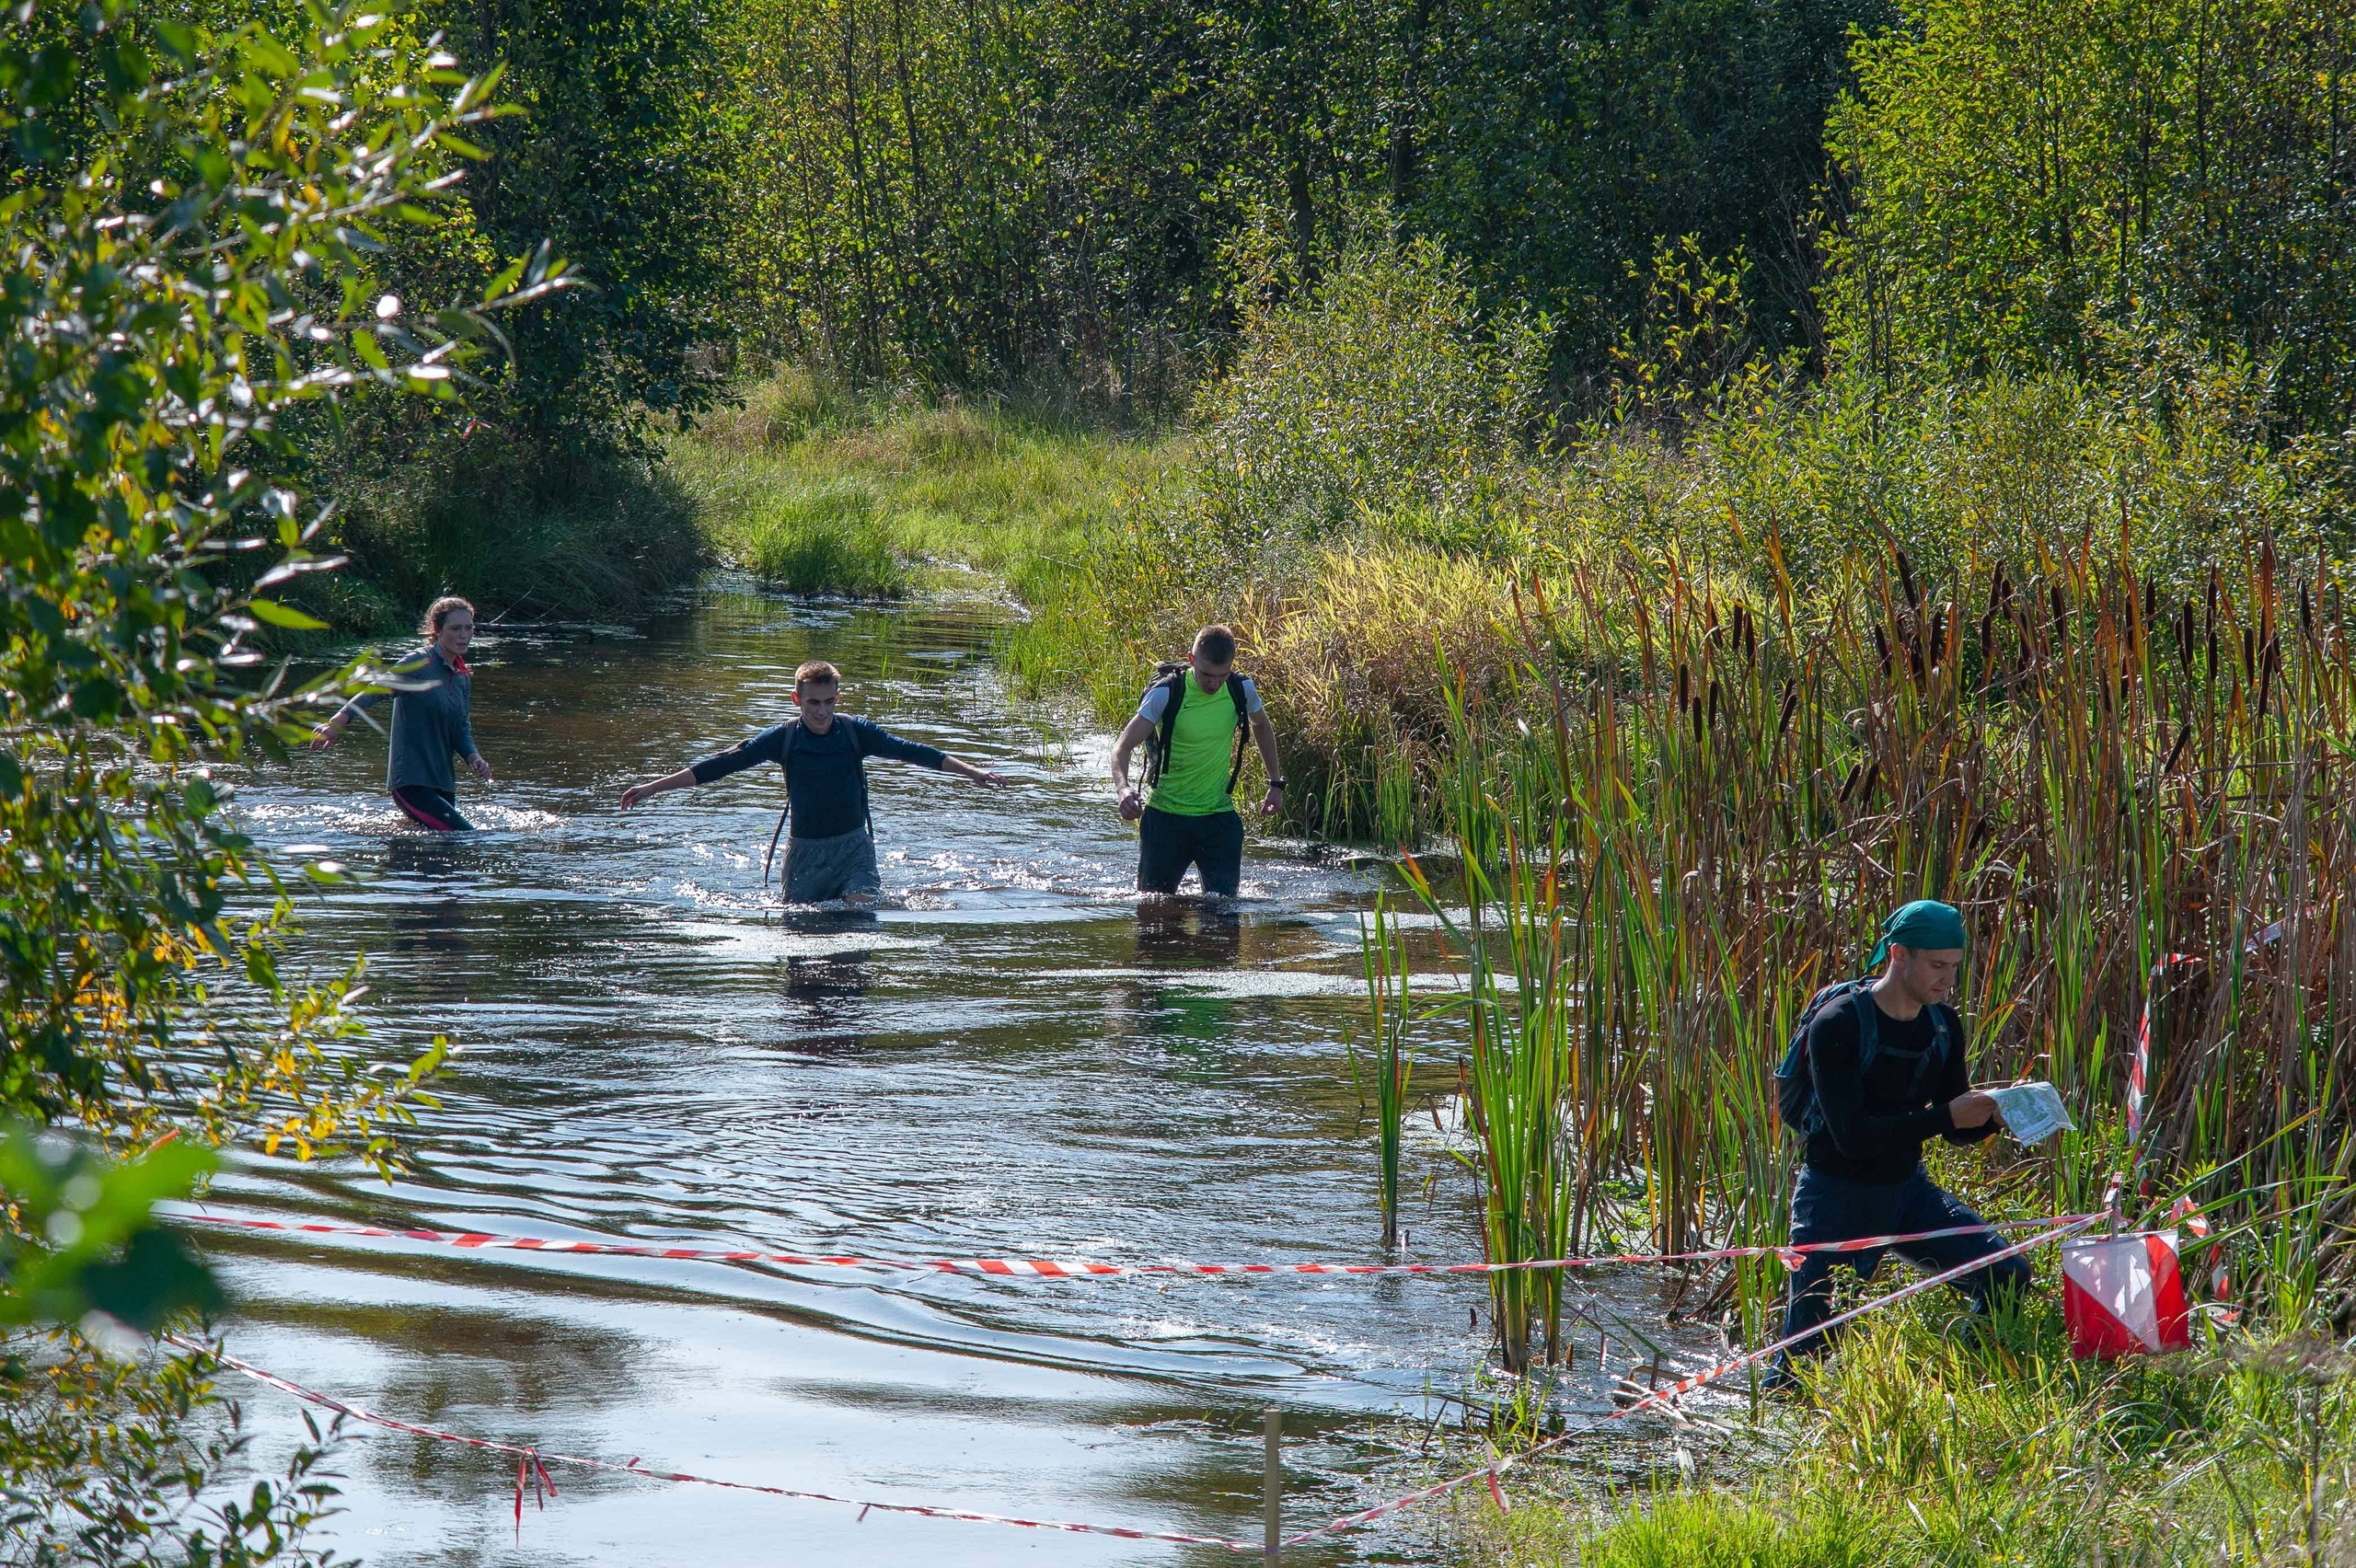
column 2123, row 1295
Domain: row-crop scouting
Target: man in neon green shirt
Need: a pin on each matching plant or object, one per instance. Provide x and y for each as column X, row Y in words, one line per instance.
column 1191, row 720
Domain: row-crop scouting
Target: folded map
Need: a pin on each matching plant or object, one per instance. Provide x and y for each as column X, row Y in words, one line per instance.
column 2031, row 1111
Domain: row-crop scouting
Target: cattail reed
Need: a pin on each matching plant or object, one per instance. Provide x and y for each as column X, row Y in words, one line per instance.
column 1649, row 900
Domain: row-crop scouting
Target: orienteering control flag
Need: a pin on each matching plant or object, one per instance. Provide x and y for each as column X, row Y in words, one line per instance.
column 2123, row 1295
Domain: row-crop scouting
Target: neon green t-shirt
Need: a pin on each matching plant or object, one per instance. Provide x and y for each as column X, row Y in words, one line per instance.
column 1202, row 749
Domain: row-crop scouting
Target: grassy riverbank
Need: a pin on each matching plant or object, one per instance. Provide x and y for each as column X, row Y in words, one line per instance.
column 819, row 492
column 1932, row 1447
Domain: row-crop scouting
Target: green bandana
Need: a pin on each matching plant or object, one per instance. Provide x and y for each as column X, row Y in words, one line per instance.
column 1926, row 923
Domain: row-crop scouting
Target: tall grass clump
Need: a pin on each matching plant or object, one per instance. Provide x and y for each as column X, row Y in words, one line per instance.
column 820, row 489
column 1692, row 802
column 1930, row 1446
column 1515, row 938
column 826, row 539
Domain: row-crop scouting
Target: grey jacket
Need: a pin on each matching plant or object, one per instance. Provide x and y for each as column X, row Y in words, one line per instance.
column 429, row 722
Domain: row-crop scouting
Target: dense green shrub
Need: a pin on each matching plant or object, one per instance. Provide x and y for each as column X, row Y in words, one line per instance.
column 1381, row 391
column 2176, row 462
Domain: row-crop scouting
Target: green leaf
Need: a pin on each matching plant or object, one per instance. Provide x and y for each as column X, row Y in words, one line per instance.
column 89, row 1233
column 98, row 698
column 505, row 282
column 178, row 38
column 156, row 1278
column 286, row 616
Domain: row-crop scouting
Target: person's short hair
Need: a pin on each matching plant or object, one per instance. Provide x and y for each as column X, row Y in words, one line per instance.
column 816, row 672
column 439, row 611
column 1216, row 644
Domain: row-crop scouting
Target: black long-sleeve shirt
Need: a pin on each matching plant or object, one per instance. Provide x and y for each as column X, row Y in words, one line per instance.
column 826, row 776
column 1874, row 1126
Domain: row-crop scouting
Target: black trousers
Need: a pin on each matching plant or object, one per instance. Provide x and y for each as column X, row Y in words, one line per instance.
column 1168, row 844
column 1828, row 1208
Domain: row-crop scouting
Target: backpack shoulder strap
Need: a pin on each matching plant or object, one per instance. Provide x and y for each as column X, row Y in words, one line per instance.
column 859, row 729
column 1157, row 759
column 1946, row 1037
column 784, row 751
column 1861, row 995
column 1235, row 679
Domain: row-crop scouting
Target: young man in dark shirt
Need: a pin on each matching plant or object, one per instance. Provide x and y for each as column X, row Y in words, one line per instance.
column 1864, row 1173
column 829, row 850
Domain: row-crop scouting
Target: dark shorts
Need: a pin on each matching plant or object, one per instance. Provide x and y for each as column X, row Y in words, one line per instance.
column 436, row 809
column 1168, row 844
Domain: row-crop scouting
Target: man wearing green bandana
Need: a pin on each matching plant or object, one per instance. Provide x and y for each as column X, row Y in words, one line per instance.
column 1885, row 1071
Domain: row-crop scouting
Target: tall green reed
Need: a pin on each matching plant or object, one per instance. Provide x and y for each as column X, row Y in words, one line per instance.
column 1510, row 938
column 1390, row 1004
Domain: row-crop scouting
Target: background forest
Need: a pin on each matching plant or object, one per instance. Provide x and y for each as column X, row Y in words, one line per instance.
column 1507, row 245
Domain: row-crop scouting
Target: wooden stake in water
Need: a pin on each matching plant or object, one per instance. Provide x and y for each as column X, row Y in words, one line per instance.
column 1272, row 1486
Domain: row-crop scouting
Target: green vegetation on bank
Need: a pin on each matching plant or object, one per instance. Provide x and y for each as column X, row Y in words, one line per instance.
column 819, row 492
column 1365, row 490
column 1925, row 1441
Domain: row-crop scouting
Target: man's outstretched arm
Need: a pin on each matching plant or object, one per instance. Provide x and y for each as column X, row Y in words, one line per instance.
column 767, row 746
column 875, row 740
column 963, row 770
column 683, row 780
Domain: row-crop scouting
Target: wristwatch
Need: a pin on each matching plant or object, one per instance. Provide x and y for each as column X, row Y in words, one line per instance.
column 1275, row 783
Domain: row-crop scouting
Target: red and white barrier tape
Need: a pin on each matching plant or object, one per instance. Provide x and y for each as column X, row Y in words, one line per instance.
column 530, row 1467
column 1073, row 1268
column 1684, row 1386
column 531, row 1463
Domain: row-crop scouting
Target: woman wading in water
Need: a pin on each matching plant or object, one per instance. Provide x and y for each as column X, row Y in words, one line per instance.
column 430, row 693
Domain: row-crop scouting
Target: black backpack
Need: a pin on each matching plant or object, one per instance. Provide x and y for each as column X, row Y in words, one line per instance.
column 1173, row 678
column 1796, row 1101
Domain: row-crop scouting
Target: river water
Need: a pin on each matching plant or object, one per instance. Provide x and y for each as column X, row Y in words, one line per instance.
column 1021, row 1059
